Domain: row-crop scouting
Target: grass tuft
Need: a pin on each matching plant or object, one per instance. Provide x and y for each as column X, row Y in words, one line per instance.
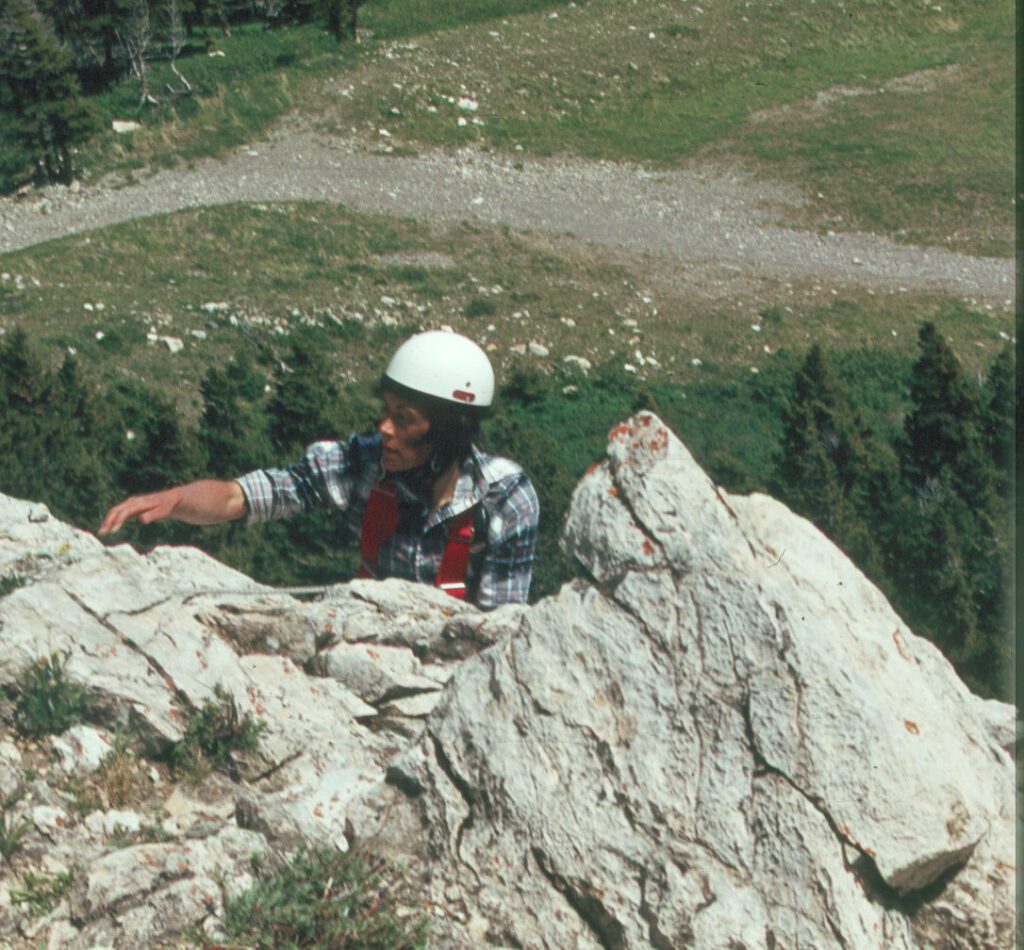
column 323, row 897
column 48, row 703
column 42, row 892
column 12, row 833
column 216, row 733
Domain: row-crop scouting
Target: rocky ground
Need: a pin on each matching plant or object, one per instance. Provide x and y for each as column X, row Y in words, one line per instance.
column 724, row 736
column 710, row 229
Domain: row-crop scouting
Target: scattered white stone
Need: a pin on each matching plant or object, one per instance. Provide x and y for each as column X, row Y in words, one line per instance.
column 462, row 122
column 87, row 306
column 81, row 749
column 579, row 361
column 214, row 307
column 629, row 368
column 696, row 361
column 539, row 349
column 384, row 133
column 129, row 435
column 123, row 126
column 569, row 322
column 110, row 823
column 756, row 327
column 468, row 105
column 99, row 335
column 49, row 820
column 173, row 343
column 198, row 334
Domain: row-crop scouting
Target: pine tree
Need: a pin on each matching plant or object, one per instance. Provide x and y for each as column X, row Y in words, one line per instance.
column 79, row 480
column 942, row 429
column 39, row 91
column 25, row 390
column 233, row 426
column 305, row 404
column 150, row 449
column 998, row 411
column 955, row 546
column 829, row 468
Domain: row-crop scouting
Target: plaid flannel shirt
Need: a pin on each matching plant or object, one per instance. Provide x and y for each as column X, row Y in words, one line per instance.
column 342, row 474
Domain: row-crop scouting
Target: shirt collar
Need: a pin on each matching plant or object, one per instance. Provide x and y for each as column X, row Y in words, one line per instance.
column 470, row 488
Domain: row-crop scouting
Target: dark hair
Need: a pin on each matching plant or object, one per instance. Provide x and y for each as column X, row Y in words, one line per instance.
column 453, row 428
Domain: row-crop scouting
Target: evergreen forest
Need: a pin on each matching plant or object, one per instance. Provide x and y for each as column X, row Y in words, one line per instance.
column 923, row 505
column 58, row 57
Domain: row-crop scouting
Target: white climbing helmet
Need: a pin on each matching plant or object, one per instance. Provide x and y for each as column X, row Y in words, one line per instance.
column 445, row 365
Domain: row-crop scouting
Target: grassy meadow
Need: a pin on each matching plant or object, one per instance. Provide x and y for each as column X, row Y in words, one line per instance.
column 890, row 117
column 893, row 117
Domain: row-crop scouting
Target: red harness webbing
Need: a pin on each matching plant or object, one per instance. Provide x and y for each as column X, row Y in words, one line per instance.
column 379, row 524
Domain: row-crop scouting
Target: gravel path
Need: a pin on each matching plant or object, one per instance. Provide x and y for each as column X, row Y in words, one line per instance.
column 676, row 219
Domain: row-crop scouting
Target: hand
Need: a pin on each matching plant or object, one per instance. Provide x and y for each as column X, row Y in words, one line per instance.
column 142, row 508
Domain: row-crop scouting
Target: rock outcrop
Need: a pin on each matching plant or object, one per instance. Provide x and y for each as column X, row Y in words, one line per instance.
column 724, row 736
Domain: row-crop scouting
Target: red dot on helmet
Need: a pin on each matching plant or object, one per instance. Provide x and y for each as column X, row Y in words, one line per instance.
column 463, row 396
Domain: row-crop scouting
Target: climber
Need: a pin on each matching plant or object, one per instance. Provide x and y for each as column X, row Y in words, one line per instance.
column 428, row 505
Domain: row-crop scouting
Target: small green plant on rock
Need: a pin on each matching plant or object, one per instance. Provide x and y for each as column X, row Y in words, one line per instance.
column 215, row 735
column 12, row 833
column 47, row 702
column 10, row 583
column 323, row 897
column 42, row 892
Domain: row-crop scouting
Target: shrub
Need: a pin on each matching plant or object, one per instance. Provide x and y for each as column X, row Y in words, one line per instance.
column 42, row 892
column 48, row 703
column 323, row 897
column 11, row 834
column 215, row 734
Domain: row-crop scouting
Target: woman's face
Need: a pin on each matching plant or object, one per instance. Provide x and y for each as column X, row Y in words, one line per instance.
column 404, row 429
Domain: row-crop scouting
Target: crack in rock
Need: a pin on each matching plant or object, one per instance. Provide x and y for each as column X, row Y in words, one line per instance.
column 586, row 902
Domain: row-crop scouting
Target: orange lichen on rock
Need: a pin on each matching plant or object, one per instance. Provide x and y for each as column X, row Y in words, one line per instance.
column 912, row 727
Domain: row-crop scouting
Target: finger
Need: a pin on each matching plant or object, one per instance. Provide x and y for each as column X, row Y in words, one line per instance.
column 121, row 513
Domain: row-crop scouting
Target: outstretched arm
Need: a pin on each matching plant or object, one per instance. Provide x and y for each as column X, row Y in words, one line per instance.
column 202, row 502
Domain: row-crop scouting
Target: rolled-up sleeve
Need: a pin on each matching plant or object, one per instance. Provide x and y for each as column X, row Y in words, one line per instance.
column 507, row 565
column 328, row 475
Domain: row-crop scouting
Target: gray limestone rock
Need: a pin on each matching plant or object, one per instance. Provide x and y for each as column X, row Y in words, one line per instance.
column 721, row 736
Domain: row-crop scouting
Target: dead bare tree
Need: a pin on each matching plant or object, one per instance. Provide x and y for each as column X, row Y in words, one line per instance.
column 135, row 37
column 176, row 41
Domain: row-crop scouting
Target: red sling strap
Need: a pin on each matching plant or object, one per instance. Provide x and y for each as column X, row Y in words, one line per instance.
column 380, row 522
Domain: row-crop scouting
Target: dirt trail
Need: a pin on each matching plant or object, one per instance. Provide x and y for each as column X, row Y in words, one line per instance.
column 707, row 223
